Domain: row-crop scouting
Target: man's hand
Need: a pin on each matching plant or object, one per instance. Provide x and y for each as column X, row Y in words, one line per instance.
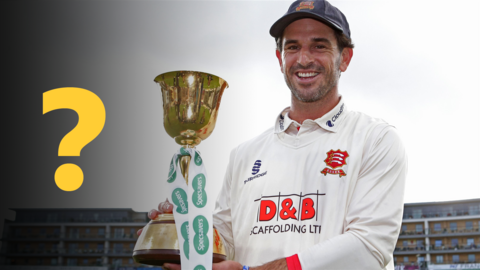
column 280, row 264
column 225, row 265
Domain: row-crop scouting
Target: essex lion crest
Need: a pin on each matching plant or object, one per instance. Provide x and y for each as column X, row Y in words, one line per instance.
column 335, row 159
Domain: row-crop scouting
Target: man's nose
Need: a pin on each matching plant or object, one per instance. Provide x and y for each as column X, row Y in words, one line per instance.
column 305, row 57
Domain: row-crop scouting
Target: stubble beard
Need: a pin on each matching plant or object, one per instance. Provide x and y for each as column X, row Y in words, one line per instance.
column 330, row 80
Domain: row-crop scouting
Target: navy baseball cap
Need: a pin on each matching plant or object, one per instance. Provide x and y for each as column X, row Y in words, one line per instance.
column 318, row 10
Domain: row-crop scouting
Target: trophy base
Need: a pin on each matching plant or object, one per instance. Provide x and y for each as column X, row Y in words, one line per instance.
column 158, row 243
column 161, row 256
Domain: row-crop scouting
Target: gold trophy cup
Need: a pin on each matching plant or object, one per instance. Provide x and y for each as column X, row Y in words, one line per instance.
column 191, row 100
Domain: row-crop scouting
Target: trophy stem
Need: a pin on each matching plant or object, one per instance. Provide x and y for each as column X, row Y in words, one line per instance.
column 184, row 165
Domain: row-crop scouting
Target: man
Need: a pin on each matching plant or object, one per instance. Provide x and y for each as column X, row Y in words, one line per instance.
column 323, row 189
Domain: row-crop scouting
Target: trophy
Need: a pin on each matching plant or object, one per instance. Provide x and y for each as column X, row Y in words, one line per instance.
column 191, row 101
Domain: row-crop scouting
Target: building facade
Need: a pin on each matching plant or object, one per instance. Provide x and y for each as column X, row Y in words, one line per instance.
column 439, row 235
column 71, row 238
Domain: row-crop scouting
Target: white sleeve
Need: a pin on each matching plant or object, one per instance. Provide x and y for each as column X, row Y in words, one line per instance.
column 222, row 218
column 374, row 214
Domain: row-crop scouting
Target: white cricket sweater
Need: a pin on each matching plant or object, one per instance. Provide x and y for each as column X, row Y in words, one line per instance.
column 333, row 194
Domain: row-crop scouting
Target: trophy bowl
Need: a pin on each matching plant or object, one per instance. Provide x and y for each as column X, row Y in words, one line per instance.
column 191, row 100
column 190, row 104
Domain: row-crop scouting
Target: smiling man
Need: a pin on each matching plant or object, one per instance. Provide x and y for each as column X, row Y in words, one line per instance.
column 323, row 188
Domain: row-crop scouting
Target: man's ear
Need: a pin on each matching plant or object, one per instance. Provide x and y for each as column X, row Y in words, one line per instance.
column 347, row 55
column 279, row 57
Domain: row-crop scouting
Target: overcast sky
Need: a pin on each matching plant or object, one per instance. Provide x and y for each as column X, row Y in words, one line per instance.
column 416, row 64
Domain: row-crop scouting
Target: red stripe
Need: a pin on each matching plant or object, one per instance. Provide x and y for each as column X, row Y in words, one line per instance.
column 293, row 263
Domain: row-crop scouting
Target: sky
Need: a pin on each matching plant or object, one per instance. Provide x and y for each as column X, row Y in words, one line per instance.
column 416, row 64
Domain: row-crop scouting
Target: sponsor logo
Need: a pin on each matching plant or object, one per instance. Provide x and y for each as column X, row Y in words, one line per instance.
column 179, row 198
column 305, row 5
column 335, row 159
column 184, row 152
column 280, row 122
column 287, row 207
column 200, row 240
column 199, row 195
column 199, row 267
column 284, row 207
column 254, row 177
column 198, row 159
column 184, row 231
column 284, row 228
column 256, row 167
column 335, row 117
column 172, row 174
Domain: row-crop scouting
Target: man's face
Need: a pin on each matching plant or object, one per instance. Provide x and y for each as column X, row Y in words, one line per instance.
column 310, row 60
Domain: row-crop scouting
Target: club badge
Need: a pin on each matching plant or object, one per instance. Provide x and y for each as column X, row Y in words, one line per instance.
column 305, row 5
column 335, row 159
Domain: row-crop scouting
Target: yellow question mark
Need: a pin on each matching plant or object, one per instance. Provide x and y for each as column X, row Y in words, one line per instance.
column 91, row 119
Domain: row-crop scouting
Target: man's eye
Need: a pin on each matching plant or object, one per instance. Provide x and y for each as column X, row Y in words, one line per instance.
column 320, row 47
column 292, row 47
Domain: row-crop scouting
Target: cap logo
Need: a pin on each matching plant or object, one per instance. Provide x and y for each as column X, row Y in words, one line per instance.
column 305, row 5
